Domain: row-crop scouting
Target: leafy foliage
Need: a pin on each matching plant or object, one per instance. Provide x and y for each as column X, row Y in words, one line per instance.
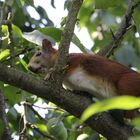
column 122, row 102
column 98, row 16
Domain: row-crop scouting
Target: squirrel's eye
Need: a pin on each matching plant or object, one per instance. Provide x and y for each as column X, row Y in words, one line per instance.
column 37, row 61
column 38, row 54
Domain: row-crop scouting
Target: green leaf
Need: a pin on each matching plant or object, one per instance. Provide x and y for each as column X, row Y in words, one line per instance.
column 136, row 121
column 16, row 31
column 120, row 102
column 20, row 3
column 42, row 127
column 53, row 32
column 30, row 2
column 134, row 138
column 78, row 43
column 136, row 17
column 103, row 4
column 10, row 92
column 24, row 64
column 57, row 129
column 83, row 137
column 4, row 54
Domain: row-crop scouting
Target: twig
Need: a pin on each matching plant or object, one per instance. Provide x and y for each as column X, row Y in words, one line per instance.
column 11, row 40
column 124, row 27
column 1, row 21
column 30, row 105
column 27, row 124
column 65, row 41
column 40, row 132
column 52, row 3
column 1, row 18
column 113, row 36
column 24, row 132
column 49, row 108
column 3, row 117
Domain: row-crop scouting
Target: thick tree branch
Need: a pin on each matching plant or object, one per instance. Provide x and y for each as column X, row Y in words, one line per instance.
column 124, row 27
column 75, row 104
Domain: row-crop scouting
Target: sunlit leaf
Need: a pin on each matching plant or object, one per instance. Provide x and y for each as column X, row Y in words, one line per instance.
column 120, row 102
column 42, row 127
column 16, row 30
column 53, row 32
column 24, row 64
column 4, row 54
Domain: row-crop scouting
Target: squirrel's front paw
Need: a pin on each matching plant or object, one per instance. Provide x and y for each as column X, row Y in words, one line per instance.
column 49, row 75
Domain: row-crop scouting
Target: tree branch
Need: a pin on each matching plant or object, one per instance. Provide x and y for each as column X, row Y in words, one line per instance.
column 124, row 27
column 73, row 103
column 3, row 117
column 65, row 41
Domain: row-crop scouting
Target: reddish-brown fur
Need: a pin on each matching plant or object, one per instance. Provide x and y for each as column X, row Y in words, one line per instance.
column 126, row 81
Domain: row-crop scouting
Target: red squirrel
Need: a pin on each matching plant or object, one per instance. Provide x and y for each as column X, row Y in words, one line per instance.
column 99, row 76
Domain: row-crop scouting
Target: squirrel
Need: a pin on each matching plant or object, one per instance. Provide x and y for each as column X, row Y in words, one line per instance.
column 99, row 76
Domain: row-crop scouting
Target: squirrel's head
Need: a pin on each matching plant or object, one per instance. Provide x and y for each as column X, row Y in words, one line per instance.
column 43, row 59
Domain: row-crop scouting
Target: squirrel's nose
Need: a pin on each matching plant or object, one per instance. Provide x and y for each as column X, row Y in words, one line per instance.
column 34, row 69
column 31, row 68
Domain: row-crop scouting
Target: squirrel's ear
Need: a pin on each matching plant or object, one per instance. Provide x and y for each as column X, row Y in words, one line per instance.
column 47, row 46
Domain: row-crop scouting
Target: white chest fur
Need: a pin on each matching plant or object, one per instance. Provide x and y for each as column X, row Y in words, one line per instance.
column 95, row 85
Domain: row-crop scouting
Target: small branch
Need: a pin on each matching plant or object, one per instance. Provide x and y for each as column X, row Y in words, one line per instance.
column 31, row 107
column 3, row 117
column 24, row 132
column 40, row 132
column 124, row 27
column 49, row 108
column 52, row 3
column 65, row 41
column 35, row 112
column 1, row 21
column 11, row 40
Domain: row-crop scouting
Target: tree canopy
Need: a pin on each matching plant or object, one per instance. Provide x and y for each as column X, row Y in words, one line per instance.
column 32, row 108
